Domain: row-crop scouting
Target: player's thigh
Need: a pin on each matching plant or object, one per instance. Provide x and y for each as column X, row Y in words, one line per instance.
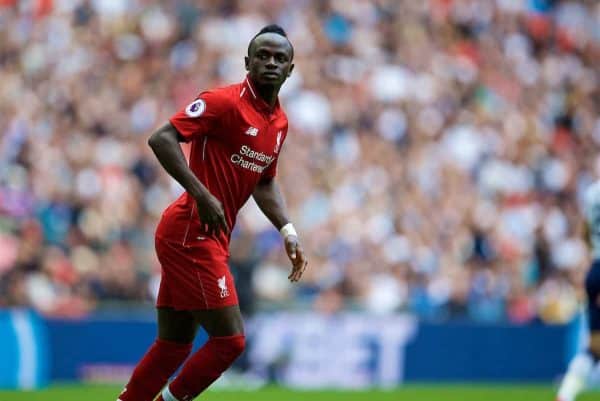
column 595, row 343
column 592, row 289
column 226, row 321
column 176, row 326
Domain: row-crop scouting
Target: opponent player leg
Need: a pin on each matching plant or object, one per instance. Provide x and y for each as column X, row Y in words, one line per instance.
column 176, row 331
column 582, row 365
column 225, row 343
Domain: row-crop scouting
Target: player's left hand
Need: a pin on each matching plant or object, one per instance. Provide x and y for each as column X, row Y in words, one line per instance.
column 297, row 257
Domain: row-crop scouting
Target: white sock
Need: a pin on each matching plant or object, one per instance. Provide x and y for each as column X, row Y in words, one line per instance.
column 576, row 377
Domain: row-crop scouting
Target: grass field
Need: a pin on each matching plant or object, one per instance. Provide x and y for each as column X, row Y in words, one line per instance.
column 407, row 393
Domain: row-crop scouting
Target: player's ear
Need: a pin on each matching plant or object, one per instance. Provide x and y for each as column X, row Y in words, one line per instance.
column 247, row 63
column 290, row 70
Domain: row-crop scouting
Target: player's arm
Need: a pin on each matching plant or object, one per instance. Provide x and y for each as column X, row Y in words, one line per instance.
column 269, row 199
column 165, row 145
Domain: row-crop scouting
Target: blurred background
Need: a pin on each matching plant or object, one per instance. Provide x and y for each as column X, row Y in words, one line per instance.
column 435, row 166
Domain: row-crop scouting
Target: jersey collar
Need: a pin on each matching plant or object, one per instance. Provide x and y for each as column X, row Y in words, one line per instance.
column 257, row 101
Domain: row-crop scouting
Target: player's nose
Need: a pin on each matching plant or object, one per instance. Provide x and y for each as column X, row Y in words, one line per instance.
column 271, row 63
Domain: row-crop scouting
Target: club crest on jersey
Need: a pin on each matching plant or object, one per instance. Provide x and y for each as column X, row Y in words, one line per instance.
column 252, row 131
column 223, row 286
column 196, row 108
column 278, row 144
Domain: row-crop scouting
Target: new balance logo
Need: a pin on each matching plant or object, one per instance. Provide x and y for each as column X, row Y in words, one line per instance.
column 252, row 131
column 223, row 286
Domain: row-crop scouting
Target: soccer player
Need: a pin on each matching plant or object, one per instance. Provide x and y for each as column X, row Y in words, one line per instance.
column 582, row 365
column 236, row 134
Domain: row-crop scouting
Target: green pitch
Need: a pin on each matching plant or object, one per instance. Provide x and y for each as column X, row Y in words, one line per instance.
column 407, row 393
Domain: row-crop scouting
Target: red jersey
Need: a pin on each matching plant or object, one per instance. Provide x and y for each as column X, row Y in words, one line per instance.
column 235, row 142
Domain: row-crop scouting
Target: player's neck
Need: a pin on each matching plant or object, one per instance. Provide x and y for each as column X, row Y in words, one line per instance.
column 268, row 93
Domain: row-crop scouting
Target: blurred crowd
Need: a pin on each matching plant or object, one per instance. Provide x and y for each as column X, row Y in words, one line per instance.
column 436, row 162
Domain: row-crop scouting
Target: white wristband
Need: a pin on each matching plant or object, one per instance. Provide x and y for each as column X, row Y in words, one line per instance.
column 287, row 230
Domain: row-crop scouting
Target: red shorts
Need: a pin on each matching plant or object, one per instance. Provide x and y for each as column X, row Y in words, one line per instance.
column 193, row 280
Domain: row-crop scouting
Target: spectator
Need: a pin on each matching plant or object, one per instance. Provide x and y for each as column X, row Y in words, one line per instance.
column 443, row 145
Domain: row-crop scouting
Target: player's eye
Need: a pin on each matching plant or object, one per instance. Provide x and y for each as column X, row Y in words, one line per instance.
column 281, row 59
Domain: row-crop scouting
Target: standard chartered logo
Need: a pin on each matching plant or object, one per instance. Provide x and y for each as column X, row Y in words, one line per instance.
column 249, row 159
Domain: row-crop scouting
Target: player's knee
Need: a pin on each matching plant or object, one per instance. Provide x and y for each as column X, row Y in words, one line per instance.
column 594, row 348
column 230, row 348
column 239, row 345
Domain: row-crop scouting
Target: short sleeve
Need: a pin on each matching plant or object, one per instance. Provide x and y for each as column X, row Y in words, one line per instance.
column 202, row 116
column 271, row 171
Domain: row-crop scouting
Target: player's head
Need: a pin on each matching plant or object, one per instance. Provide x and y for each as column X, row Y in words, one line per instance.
column 270, row 56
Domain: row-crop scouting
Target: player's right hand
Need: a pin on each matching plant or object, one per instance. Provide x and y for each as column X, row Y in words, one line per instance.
column 212, row 215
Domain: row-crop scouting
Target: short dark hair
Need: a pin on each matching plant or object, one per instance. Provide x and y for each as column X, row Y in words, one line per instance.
column 272, row 28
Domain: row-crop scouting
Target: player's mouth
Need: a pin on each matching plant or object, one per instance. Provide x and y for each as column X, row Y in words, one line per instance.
column 270, row 74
